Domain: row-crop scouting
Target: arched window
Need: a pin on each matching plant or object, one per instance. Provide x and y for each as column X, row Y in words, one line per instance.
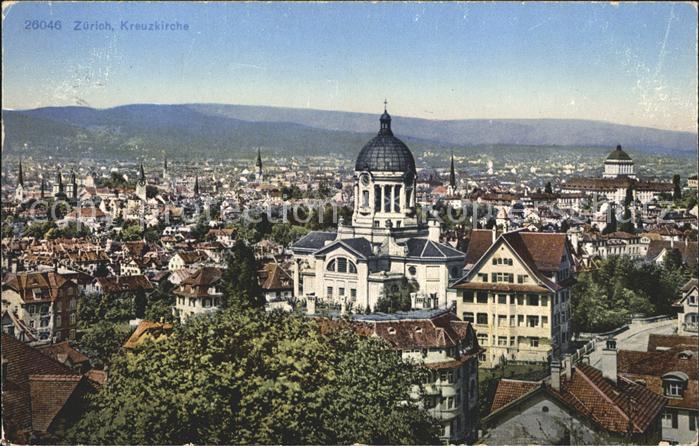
column 365, row 198
column 341, row 265
column 331, row 265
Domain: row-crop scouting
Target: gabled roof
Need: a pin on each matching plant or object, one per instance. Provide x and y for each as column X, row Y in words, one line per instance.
column 36, row 388
column 664, row 342
column 62, row 352
column 274, row 277
column 659, row 362
column 613, row 407
column 313, row 241
column 423, row 248
column 124, row 284
column 148, row 330
column 360, row 247
column 38, row 286
column 480, row 241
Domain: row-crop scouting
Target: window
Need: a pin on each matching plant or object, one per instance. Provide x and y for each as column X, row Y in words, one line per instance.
column 482, row 297
column 502, row 341
column 533, row 342
column 502, row 298
column 544, row 301
column 468, row 296
column 58, row 321
column 533, row 300
column 544, row 321
column 520, row 320
column 59, row 306
column 341, row 291
column 482, row 338
column 351, row 268
column 482, row 318
column 545, row 409
column 512, row 340
column 330, row 291
column 483, row 277
column 502, row 321
column 466, row 316
column 532, row 321
column 331, row 265
column 513, row 322
column 670, row 418
column 353, row 293
column 412, row 270
column 521, row 278
column 365, row 198
column 673, row 389
column 72, row 318
column 341, row 265
column 31, row 308
column 692, row 422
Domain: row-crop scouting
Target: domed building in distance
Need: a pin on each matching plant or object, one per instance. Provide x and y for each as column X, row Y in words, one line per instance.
column 385, row 247
column 618, row 163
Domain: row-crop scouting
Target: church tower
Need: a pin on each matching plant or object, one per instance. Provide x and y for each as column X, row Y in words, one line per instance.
column 73, row 186
column 19, row 191
column 258, row 163
column 58, row 189
column 384, row 189
column 141, row 185
column 451, row 189
column 196, row 186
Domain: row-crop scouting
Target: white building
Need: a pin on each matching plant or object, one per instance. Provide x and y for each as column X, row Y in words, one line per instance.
column 687, row 316
column 385, row 244
column 517, row 295
column 200, row 293
column 618, row 163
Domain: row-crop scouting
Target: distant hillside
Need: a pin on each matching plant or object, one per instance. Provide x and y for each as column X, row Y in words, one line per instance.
column 224, row 131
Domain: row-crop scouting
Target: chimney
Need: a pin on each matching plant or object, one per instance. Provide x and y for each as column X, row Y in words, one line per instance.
column 608, row 362
column 567, row 366
column 556, row 374
column 433, row 231
column 311, row 305
column 494, row 232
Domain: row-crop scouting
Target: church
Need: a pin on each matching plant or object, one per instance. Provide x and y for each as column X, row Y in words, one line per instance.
column 386, row 246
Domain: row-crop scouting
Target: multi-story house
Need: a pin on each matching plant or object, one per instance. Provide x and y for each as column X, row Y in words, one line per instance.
column 688, row 305
column 669, row 368
column 45, row 302
column 517, row 295
column 200, row 293
column 447, row 347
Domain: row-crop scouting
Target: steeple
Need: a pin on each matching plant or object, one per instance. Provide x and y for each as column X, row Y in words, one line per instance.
column 43, row 187
column 142, row 175
column 452, row 174
column 385, row 121
column 196, row 185
column 258, row 163
column 165, row 164
column 20, row 175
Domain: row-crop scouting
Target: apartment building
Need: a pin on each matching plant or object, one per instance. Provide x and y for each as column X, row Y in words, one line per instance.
column 200, row 293
column 447, row 347
column 517, row 295
column 45, row 303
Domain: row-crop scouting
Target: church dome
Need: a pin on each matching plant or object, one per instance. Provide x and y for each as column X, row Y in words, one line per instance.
column 618, row 155
column 385, row 152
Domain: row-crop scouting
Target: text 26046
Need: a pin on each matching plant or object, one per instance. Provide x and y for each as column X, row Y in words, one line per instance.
column 34, row 25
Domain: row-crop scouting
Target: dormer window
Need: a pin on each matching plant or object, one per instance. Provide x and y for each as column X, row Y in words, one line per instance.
column 418, row 329
column 674, row 384
column 391, row 331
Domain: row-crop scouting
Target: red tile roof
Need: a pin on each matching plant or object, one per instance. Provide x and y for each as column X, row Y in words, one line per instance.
column 148, row 329
column 509, row 390
column 672, row 341
column 63, row 351
column 478, row 244
column 273, row 277
column 39, row 286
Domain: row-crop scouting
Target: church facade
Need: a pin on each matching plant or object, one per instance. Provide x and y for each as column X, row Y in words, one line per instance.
column 385, row 248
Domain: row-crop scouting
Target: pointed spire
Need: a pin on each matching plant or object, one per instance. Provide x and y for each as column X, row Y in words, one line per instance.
column 259, row 159
column 43, row 187
column 142, row 176
column 20, row 175
column 196, row 185
column 165, row 164
column 452, row 174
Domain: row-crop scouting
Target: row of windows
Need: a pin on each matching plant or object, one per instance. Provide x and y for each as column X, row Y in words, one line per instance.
column 670, row 419
column 192, row 302
column 502, row 261
column 502, row 320
column 502, row 341
column 341, row 292
column 503, row 278
column 59, row 321
column 481, row 297
column 341, row 265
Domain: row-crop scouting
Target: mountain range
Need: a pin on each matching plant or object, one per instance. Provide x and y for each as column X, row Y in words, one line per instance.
column 226, row 131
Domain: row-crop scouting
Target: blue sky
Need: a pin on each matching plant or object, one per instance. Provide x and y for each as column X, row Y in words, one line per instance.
column 628, row 63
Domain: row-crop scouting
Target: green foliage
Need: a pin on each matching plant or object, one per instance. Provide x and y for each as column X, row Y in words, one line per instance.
column 132, row 232
column 285, row 234
column 241, row 288
column 607, row 297
column 38, row 230
column 627, row 224
column 7, row 226
column 291, row 193
column 243, row 376
column 100, row 341
column 612, row 224
column 71, row 230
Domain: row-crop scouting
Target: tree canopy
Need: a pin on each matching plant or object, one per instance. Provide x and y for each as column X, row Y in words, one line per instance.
column 249, row 376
